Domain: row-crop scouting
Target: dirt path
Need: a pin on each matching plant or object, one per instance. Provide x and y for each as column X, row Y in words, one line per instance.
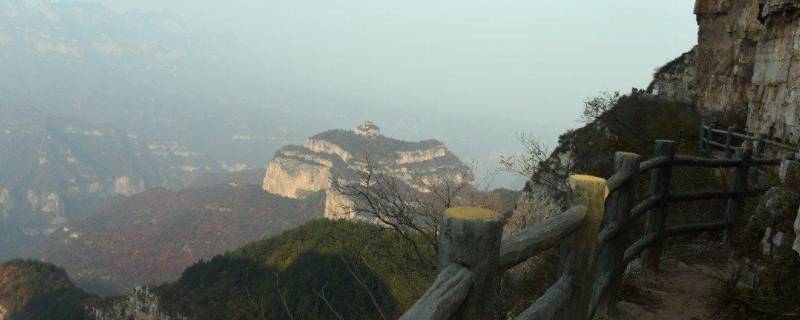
column 682, row 290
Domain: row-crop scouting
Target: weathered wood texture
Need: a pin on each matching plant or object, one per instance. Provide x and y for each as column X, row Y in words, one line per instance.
column 693, row 161
column 471, row 237
column 645, row 205
column 444, row 297
column 729, row 143
column 553, row 301
column 759, row 140
column 519, row 247
column 640, row 245
column 656, row 217
column 654, row 163
column 740, row 178
column 761, row 145
column 703, row 131
column 695, row 228
column 578, row 250
column 607, row 283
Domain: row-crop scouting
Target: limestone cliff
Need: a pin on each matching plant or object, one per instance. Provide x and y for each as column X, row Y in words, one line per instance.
column 296, row 171
column 744, row 66
column 140, row 304
column 55, row 170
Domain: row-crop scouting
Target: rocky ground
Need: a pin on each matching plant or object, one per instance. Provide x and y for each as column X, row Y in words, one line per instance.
column 682, row 290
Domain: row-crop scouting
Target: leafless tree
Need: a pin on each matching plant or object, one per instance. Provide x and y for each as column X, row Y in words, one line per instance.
column 352, row 269
column 600, row 110
column 323, row 296
column 282, row 296
column 409, row 208
column 261, row 305
column 535, row 163
column 596, row 107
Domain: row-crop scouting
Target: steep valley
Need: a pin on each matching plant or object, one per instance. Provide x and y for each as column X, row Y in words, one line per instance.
column 54, row 170
column 151, row 237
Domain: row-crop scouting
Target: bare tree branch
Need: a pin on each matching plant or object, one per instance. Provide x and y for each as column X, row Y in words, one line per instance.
column 281, row 296
column 322, row 296
column 363, row 284
column 409, row 207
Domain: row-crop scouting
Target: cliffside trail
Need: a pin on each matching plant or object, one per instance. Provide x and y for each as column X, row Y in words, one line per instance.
column 682, row 290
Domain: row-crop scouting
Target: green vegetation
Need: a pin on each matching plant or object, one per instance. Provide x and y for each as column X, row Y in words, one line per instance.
column 378, row 148
column 40, row 291
column 633, row 123
column 156, row 234
column 322, row 270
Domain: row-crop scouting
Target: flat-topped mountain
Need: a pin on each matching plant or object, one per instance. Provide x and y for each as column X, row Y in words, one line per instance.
column 298, row 170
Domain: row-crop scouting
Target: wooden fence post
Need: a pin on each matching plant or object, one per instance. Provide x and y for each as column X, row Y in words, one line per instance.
column 578, row 251
column 471, row 238
column 740, row 178
column 703, row 146
column 729, row 143
column 661, row 179
column 760, row 145
column 608, row 285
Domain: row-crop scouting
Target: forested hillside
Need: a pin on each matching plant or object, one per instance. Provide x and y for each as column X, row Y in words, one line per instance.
column 150, row 238
column 322, row 270
column 31, row 290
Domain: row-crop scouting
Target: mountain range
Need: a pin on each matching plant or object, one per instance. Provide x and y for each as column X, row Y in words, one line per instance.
column 54, row 170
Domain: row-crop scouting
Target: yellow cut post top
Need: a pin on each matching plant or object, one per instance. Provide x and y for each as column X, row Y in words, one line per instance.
column 471, row 213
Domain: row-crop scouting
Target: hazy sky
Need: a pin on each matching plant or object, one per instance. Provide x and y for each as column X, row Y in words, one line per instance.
column 509, row 65
column 533, row 59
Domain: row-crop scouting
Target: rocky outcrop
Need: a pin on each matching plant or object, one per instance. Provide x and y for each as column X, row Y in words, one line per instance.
column 769, row 232
column 296, row 171
column 676, row 80
column 728, row 34
column 141, row 304
column 796, row 245
column 55, row 170
column 744, row 66
column 294, row 176
column 775, row 107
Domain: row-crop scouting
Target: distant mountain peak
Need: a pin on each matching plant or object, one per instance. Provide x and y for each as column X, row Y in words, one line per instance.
column 298, row 170
column 368, row 129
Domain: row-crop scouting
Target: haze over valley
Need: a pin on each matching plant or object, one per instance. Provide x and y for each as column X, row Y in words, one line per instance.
column 293, row 159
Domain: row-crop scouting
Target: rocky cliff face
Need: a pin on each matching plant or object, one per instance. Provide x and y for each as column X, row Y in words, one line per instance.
column 53, row 170
column 296, row 171
column 744, row 66
column 676, row 80
column 140, row 304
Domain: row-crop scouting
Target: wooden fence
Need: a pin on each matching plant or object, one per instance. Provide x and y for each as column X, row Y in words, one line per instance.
column 593, row 235
column 730, row 137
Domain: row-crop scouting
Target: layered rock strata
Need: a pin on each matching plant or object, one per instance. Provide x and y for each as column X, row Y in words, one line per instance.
column 744, row 68
column 296, row 171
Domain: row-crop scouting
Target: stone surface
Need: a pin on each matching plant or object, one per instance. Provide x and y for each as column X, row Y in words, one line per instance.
column 796, row 246
column 140, row 304
column 743, row 68
column 766, row 245
column 296, row 171
column 727, row 40
column 790, row 174
column 676, row 80
column 778, row 240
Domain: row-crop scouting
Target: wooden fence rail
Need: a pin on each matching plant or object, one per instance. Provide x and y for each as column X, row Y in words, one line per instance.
column 594, row 236
column 760, row 141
